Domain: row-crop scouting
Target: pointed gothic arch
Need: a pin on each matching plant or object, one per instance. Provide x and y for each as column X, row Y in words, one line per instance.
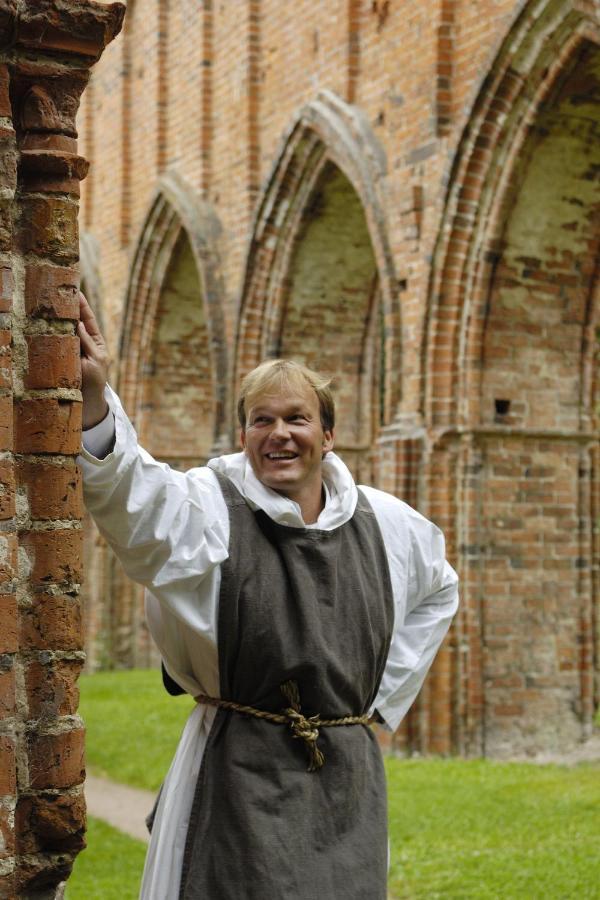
column 329, row 147
column 543, row 43
column 178, row 226
column 509, row 387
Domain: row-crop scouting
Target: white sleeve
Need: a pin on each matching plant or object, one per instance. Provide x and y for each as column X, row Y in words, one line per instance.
column 98, row 441
column 425, row 589
column 169, row 529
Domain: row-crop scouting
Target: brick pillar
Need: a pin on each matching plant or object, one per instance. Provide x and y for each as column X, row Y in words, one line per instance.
column 46, row 50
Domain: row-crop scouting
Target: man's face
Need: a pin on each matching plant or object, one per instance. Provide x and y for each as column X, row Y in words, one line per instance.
column 285, row 442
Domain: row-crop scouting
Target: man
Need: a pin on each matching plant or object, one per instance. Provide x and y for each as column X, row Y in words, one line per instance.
column 294, row 607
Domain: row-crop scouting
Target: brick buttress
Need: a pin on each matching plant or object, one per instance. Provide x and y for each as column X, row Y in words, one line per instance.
column 313, row 607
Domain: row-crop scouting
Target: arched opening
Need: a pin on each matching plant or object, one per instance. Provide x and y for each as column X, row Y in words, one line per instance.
column 178, row 408
column 331, row 313
column 538, row 310
column 536, row 619
column 509, row 396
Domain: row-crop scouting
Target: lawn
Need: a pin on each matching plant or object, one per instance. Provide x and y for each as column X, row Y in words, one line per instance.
column 479, row 829
column 458, row 829
column 132, row 725
column 111, row 867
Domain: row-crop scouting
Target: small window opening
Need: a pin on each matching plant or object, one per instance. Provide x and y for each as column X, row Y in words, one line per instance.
column 502, row 407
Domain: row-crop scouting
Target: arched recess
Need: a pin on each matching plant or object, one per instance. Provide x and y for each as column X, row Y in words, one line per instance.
column 173, row 363
column 509, row 387
column 173, row 353
column 319, row 282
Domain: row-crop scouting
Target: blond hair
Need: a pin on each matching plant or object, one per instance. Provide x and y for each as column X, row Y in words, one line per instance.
column 275, row 375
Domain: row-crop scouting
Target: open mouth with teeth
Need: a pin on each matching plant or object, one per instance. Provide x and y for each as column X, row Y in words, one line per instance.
column 281, row 455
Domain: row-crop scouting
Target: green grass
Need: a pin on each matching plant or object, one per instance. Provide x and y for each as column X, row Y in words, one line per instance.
column 110, row 869
column 459, row 829
column 482, row 830
column 132, row 724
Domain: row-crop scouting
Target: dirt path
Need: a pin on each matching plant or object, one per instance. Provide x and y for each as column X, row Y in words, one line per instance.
column 122, row 807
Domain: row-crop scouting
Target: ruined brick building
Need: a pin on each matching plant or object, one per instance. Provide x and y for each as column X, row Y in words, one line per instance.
column 46, row 50
column 407, row 196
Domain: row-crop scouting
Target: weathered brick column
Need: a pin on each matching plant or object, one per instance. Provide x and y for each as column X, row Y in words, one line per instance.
column 46, row 50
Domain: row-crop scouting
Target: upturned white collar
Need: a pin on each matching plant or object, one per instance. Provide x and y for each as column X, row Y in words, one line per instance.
column 340, row 492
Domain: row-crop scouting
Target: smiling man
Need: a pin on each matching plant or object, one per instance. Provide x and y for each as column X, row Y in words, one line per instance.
column 296, row 608
column 284, row 432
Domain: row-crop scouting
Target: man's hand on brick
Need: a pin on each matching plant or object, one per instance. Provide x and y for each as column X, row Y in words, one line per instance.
column 94, row 366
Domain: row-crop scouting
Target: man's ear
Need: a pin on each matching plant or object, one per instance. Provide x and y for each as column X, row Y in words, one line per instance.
column 243, row 438
column 328, row 440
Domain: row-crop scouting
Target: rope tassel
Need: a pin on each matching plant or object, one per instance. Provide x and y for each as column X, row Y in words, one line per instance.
column 302, row 727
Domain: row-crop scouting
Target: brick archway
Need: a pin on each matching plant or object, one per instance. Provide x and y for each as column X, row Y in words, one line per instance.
column 539, row 47
column 329, row 141
column 179, row 231
column 509, row 388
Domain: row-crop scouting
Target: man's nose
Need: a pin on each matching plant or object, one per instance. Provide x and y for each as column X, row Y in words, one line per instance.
column 280, row 429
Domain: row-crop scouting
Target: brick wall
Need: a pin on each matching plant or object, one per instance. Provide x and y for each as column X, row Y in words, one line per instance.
column 406, row 195
column 46, row 50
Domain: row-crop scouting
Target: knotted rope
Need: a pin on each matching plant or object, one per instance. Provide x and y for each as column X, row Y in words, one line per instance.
column 304, row 727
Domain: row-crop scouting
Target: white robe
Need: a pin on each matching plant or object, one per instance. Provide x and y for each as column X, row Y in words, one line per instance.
column 171, row 532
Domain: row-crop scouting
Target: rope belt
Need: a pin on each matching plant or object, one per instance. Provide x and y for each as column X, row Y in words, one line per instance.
column 304, row 727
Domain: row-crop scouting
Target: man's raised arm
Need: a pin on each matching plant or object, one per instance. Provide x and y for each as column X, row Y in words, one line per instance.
column 166, row 527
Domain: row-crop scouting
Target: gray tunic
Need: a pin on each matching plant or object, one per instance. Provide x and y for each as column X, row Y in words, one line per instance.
column 314, row 607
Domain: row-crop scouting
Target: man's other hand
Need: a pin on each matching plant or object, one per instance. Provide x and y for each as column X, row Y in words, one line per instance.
column 94, row 365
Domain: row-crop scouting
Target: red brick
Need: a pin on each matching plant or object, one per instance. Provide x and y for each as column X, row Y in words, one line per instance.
column 55, row 556
column 52, row 687
column 47, row 425
column 53, row 361
column 51, row 823
column 8, row 766
column 51, row 621
column 54, row 492
column 48, row 227
column 7, row 686
column 5, row 107
column 48, row 185
column 39, row 875
column 6, row 422
column 7, row 489
column 56, row 760
column 8, row 618
column 51, row 292
column 78, row 30
column 8, row 886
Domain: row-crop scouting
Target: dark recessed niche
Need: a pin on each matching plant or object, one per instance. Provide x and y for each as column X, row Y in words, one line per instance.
column 502, row 407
